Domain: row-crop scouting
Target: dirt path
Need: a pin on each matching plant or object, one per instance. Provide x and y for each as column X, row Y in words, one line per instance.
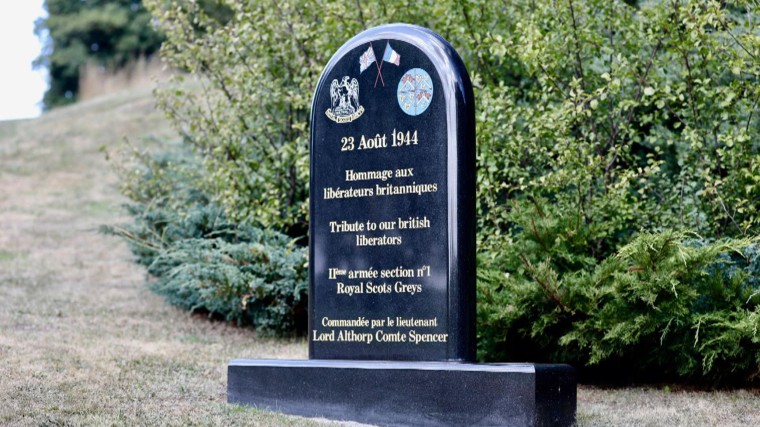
column 82, row 341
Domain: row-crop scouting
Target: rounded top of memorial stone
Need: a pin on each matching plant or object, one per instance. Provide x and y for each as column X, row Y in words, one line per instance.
column 445, row 59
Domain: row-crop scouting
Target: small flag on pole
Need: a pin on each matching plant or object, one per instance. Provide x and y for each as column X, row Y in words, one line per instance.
column 366, row 59
column 391, row 55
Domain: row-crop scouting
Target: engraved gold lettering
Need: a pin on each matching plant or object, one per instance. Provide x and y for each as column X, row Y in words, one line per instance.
column 407, row 288
column 379, row 141
column 346, row 227
column 323, row 336
column 382, row 175
column 347, row 193
column 412, row 322
column 349, row 290
column 372, row 143
column 413, row 223
column 359, row 322
column 333, row 273
column 404, row 173
column 382, row 336
column 418, row 338
column 402, row 138
column 398, row 272
column 352, row 336
column 347, row 143
column 362, row 240
column 378, row 289
column 369, row 273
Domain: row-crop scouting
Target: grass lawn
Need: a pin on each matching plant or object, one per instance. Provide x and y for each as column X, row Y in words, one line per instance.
column 82, row 340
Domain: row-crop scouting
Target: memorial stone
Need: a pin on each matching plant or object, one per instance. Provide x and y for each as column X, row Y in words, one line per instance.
column 392, row 255
column 392, row 203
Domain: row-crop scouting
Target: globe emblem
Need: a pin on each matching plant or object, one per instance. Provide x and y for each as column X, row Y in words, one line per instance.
column 415, row 91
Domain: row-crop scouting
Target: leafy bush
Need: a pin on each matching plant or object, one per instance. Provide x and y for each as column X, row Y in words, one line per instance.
column 602, row 127
column 625, row 123
column 249, row 120
column 639, row 118
column 257, row 69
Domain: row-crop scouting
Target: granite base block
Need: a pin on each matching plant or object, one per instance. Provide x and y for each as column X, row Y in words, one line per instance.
column 408, row 393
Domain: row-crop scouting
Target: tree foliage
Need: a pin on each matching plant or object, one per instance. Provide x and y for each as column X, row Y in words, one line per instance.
column 618, row 160
column 109, row 33
column 625, row 121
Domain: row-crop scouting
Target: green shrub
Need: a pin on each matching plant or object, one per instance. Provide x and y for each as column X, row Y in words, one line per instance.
column 624, row 123
column 664, row 307
column 260, row 281
column 257, row 70
column 639, row 118
column 201, row 260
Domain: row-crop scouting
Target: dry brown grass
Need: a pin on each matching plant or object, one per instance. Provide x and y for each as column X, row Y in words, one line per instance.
column 644, row 406
column 82, row 342
column 96, row 81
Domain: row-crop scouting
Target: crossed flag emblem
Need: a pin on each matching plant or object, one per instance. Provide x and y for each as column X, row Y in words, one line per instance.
column 368, row 57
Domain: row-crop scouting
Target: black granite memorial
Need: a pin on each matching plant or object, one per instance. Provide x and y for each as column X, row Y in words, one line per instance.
column 392, row 203
column 392, row 255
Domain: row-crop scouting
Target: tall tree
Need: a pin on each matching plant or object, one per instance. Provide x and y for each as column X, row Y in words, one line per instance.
column 76, row 32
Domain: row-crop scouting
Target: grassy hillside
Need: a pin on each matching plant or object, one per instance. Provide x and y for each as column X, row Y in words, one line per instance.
column 82, row 340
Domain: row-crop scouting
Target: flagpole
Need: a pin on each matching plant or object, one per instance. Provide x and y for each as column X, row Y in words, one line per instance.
column 379, row 67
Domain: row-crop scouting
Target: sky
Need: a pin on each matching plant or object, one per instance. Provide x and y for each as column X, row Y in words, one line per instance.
column 21, row 87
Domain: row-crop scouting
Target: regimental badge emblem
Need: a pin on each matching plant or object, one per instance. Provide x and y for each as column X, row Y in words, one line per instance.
column 345, row 101
column 415, row 91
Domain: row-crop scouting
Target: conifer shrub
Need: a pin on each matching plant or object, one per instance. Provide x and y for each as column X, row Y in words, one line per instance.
column 260, row 280
column 204, row 262
column 666, row 306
